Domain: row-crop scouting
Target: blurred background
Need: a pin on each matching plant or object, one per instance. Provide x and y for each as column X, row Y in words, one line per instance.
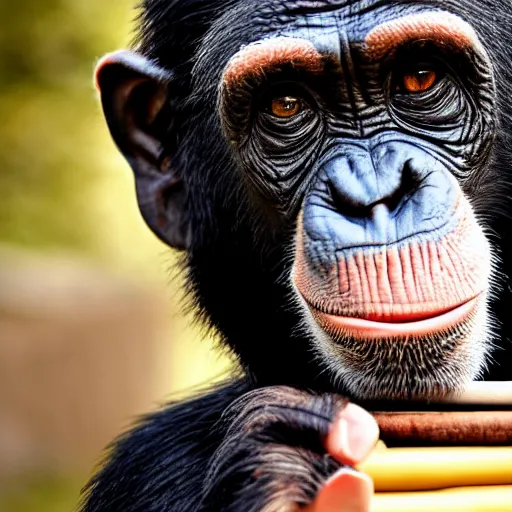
column 91, row 333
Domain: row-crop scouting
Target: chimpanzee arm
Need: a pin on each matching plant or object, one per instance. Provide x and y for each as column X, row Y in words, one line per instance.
column 160, row 466
column 234, row 450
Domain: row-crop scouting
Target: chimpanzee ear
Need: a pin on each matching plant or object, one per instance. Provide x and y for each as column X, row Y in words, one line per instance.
column 135, row 99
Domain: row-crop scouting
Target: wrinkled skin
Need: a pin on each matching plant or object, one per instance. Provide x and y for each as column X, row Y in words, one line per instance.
column 332, row 172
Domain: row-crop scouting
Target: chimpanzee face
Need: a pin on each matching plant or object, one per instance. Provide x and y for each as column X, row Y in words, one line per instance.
column 366, row 127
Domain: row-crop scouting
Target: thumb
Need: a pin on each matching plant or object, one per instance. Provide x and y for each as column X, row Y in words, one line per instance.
column 353, row 435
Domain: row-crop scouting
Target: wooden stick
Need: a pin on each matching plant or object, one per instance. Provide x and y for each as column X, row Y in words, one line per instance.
column 486, row 428
column 476, row 419
column 423, row 469
column 480, row 393
column 474, row 499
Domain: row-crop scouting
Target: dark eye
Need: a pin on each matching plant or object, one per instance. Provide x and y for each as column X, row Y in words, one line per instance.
column 418, row 81
column 286, row 106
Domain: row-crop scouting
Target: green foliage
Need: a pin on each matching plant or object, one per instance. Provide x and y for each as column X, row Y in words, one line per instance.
column 52, row 140
column 43, row 494
column 64, row 186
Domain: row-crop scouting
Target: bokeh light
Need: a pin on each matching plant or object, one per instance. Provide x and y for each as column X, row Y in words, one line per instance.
column 91, row 333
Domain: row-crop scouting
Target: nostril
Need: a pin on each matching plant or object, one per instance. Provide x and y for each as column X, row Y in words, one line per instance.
column 346, row 205
column 354, row 183
column 408, row 185
column 400, row 195
column 349, row 206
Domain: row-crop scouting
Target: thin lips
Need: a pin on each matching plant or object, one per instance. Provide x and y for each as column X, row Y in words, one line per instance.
column 369, row 328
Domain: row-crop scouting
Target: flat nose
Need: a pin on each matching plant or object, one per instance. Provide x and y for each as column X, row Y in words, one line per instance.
column 360, row 180
column 381, row 196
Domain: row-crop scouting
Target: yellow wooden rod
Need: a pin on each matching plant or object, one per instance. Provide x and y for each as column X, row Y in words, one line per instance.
column 417, row 469
column 466, row 499
column 488, row 392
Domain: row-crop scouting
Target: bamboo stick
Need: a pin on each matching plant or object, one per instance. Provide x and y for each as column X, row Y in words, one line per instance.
column 472, row 499
column 417, row 469
column 484, row 428
column 479, row 393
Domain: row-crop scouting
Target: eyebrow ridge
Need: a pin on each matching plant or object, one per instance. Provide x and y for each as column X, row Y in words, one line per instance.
column 442, row 26
column 266, row 55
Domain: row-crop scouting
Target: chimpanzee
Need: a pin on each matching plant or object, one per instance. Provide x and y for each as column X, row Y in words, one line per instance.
column 336, row 175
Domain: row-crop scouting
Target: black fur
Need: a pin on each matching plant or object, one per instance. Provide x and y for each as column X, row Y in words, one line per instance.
column 235, row 449
column 159, row 465
column 199, row 455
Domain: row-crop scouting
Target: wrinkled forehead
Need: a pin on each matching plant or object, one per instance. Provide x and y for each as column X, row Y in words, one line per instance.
column 324, row 23
column 305, row 31
column 331, row 24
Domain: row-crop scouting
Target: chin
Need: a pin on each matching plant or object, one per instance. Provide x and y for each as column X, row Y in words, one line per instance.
column 419, row 360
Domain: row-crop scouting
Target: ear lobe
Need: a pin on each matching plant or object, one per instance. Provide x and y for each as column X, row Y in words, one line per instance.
column 135, row 100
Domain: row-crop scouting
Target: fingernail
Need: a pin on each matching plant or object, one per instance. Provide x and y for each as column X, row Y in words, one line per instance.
column 359, row 432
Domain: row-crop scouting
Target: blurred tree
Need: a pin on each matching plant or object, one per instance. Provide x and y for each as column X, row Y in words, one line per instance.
column 64, row 185
column 50, row 157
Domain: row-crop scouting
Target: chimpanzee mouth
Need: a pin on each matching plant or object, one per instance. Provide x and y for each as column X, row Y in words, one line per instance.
column 403, row 357
column 403, row 326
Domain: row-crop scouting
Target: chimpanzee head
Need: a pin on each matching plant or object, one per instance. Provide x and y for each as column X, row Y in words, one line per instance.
column 326, row 168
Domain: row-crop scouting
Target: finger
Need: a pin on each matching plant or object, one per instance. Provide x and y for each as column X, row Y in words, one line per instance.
column 353, row 435
column 346, row 491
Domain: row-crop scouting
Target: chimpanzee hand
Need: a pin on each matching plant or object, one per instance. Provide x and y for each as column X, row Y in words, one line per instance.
column 282, row 446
